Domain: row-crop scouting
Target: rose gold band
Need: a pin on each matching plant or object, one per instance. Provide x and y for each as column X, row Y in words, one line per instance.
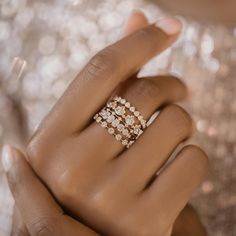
column 122, row 120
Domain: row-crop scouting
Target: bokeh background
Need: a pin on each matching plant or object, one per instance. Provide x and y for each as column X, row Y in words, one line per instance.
column 43, row 45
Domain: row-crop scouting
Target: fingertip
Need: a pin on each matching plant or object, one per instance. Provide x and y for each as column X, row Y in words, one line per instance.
column 137, row 20
column 8, row 157
column 11, row 158
column 139, row 15
column 170, row 25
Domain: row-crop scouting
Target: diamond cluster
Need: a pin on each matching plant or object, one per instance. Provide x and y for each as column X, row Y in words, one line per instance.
column 122, row 120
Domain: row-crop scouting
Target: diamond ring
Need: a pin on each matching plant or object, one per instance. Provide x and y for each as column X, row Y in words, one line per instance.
column 121, row 120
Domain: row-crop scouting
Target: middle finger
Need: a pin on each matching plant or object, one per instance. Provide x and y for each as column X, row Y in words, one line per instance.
column 95, row 83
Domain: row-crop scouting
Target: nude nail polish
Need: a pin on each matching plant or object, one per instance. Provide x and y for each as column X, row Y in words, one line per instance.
column 170, row 26
column 7, row 157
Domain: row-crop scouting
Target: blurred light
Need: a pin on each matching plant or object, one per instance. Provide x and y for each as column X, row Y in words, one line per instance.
column 9, row 8
column 47, row 45
column 76, row 60
column 212, row 65
column 110, row 20
column 189, row 49
column 24, row 17
column 207, row 187
column 96, row 42
column 75, row 2
column 51, row 67
column 202, row 125
column 207, row 45
column 5, row 30
column 58, row 88
column 190, row 33
column 30, row 85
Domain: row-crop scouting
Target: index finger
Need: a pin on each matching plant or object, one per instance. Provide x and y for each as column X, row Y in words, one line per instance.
column 96, row 82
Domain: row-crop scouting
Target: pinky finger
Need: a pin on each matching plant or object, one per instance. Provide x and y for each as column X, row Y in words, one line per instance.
column 170, row 192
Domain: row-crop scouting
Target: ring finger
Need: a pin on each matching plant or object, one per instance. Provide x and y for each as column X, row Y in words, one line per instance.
column 147, row 95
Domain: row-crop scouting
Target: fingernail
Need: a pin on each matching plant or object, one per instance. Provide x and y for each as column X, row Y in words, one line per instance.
column 169, row 25
column 137, row 11
column 7, row 157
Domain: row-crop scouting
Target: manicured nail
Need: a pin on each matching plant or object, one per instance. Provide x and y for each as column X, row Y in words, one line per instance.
column 137, row 11
column 169, row 25
column 7, row 157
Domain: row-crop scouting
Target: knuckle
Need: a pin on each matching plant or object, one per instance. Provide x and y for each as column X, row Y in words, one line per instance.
column 44, row 226
column 105, row 202
column 66, row 188
column 146, row 89
column 99, row 200
column 103, row 64
column 180, row 119
column 144, row 35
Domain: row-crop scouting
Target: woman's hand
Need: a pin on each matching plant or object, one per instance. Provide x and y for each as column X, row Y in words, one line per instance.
column 42, row 214
column 137, row 20
column 116, row 191
column 39, row 211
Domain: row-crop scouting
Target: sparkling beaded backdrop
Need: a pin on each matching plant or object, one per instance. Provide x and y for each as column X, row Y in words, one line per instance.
column 43, row 45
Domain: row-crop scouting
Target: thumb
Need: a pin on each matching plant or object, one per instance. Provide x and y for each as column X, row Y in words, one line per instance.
column 40, row 212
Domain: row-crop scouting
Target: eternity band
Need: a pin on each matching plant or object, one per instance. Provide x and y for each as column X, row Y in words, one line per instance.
column 122, row 120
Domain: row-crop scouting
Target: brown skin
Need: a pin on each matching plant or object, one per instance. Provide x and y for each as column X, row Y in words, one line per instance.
column 40, row 212
column 221, row 11
column 46, row 217
column 110, row 193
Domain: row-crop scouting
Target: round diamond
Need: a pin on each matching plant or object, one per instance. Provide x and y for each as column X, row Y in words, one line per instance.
column 124, row 142
column 105, row 114
column 118, row 137
column 125, row 132
column 110, row 119
column 122, row 101
column 127, row 104
column 132, row 109
column 111, row 131
column 120, row 127
column 115, row 122
column 136, row 113
column 111, row 104
column 129, row 120
column 99, row 119
column 143, row 122
column 104, row 124
column 120, row 110
column 136, row 131
column 140, row 117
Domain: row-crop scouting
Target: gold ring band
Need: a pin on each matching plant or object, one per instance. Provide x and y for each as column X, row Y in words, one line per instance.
column 122, row 120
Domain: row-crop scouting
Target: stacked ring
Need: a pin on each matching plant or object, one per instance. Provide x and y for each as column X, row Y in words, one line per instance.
column 122, row 120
